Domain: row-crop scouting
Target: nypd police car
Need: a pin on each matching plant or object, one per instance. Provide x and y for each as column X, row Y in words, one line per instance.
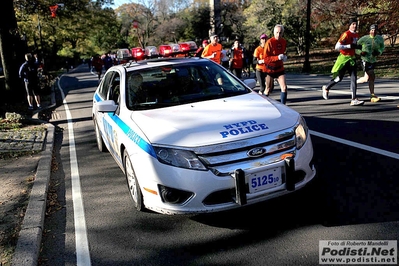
column 192, row 138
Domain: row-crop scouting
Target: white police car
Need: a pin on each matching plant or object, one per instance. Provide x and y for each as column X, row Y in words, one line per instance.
column 191, row 138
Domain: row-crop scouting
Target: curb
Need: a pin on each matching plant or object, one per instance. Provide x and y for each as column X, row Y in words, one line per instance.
column 29, row 241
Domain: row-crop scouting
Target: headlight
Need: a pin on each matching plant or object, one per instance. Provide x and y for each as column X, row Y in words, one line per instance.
column 301, row 133
column 179, row 158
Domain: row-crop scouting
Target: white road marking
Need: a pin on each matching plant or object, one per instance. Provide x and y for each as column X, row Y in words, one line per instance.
column 348, row 92
column 81, row 242
column 348, row 142
column 356, row 145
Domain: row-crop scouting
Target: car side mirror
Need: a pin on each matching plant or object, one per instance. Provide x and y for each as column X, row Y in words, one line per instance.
column 108, row 106
column 250, row 83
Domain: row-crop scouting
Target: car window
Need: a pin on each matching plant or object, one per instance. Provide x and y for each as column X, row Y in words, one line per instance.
column 110, row 87
column 158, row 87
column 104, row 87
column 114, row 91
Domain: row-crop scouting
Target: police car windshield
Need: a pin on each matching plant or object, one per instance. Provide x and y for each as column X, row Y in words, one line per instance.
column 162, row 86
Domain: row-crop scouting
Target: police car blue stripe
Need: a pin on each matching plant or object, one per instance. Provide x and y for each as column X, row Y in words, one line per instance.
column 111, row 150
column 131, row 134
column 97, row 97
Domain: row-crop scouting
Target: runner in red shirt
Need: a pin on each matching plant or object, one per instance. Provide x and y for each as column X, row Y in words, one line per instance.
column 237, row 59
column 346, row 61
column 274, row 54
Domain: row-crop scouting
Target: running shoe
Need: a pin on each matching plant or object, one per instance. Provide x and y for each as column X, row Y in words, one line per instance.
column 361, row 80
column 30, row 107
column 374, row 98
column 325, row 92
column 356, row 102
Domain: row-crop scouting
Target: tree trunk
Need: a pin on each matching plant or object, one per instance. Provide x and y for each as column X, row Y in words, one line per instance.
column 10, row 41
column 306, row 65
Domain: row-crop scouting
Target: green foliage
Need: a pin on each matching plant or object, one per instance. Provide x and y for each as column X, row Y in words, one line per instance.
column 261, row 16
column 199, row 23
column 80, row 29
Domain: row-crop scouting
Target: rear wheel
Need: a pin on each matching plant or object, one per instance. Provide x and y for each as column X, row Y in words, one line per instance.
column 132, row 183
column 99, row 138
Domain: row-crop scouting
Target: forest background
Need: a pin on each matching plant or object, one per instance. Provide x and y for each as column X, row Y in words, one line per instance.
column 78, row 29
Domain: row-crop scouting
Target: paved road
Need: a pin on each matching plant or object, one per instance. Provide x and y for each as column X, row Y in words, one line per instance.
column 355, row 195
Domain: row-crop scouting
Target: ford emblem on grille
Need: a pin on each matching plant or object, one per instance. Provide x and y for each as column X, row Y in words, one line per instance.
column 256, row 152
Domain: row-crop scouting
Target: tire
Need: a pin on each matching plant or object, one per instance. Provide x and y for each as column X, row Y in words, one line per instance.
column 132, row 183
column 100, row 142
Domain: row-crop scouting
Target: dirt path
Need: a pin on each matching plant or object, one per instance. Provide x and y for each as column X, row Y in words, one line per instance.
column 16, row 180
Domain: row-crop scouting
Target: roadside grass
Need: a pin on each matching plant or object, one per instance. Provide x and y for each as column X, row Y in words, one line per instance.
column 10, row 125
column 17, row 125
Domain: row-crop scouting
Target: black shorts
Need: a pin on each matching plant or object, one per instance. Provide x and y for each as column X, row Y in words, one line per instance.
column 276, row 74
column 368, row 66
column 32, row 89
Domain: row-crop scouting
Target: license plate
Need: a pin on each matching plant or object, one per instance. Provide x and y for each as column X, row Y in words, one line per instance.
column 264, row 180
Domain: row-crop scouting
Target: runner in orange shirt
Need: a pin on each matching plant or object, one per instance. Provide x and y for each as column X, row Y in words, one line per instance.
column 260, row 69
column 213, row 50
column 274, row 54
column 199, row 51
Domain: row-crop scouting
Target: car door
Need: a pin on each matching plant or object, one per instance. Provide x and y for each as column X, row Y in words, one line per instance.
column 109, row 90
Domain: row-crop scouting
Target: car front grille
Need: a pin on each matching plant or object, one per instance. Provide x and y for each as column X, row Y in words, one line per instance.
column 224, row 159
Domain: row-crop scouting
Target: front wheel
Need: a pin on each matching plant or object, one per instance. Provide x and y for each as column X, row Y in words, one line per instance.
column 99, row 138
column 132, row 183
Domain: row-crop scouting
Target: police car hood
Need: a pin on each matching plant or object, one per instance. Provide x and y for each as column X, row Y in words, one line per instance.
column 215, row 121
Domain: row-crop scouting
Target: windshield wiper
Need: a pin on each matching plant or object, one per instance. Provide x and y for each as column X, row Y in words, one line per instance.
column 153, row 105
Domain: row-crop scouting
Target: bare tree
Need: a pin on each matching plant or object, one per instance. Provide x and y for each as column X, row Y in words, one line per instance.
column 138, row 22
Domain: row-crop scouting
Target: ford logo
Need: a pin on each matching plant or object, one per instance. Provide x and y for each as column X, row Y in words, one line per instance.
column 256, row 152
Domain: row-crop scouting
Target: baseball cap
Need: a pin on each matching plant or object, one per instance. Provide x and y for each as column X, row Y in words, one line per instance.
column 373, row 27
column 205, row 42
column 214, row 35
column 263, row 36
